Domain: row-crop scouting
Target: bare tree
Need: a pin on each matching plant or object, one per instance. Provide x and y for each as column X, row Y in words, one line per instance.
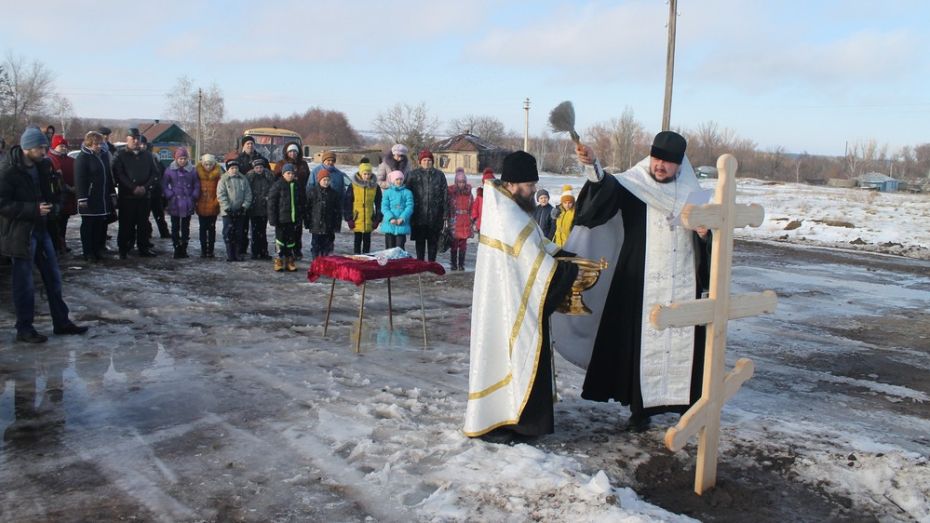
column 629, row 138
column 488, row 128
column 183, row 106
column 28, row 89
column 62, row 110
column 409, row 125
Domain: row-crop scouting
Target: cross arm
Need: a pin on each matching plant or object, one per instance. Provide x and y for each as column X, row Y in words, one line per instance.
column 711, row 215
column 701, row 312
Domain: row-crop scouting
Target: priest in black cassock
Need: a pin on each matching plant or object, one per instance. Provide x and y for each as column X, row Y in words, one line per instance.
column 518, row 285
column 632, row 219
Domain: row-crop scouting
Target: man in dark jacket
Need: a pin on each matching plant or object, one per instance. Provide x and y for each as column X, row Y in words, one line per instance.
column 24, row 210
column 158, row 201
column 430, row 198
column 135, row 174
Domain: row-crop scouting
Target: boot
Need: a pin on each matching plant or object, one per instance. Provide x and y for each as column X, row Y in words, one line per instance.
column 453, row 265
column 184, row 249
column 210, row 250
column 278, row 264
column 204, row 250
column 177, row 251
column 462, row 260
column 163, row 229
column 291, row 264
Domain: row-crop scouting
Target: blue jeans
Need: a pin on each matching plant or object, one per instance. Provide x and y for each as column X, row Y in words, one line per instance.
column 42, row 255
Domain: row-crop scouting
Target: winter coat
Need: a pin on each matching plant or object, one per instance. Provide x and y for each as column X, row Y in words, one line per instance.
column 286, row 202
column 396, row 202
column 181, row 187
column 19, row 202
column 260, row 181
column 323, row 210
column 65, row 164
column 93, row 183
column 362, row 204
column 460, row 203
column 564, row 219
column 476, row 208
column 430, row 197
column 134, row 169
column 338, row 180
column 245, row 160
column 543, row 216
column 302, row 172
column 389, row 164
column 234, row 194
column 207, row 204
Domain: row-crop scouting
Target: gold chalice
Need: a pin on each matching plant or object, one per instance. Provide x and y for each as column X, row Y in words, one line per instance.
column 588, row 273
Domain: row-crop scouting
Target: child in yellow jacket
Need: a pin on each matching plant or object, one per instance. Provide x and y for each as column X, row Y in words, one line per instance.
column 564, row 216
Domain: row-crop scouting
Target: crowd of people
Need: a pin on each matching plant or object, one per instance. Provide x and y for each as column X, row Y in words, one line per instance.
column 129, row 186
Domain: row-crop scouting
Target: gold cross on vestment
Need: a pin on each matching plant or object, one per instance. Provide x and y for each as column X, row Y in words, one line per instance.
column 722, row 215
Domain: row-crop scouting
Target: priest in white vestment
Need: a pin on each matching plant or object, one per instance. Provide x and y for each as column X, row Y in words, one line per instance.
column 632, row 219
column 518, row 284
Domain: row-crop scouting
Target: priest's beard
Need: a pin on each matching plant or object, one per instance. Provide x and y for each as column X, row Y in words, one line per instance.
column 526, row 202
column 668, row 179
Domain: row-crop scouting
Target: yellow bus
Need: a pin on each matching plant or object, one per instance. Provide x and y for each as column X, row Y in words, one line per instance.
column 270, row 142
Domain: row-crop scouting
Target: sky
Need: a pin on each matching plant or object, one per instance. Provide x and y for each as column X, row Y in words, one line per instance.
column 806, row 76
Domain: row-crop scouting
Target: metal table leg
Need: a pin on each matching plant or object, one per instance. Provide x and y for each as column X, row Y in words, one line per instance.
column 422, row 311
column 329, row 307
column 361, row 316
column 390, row 307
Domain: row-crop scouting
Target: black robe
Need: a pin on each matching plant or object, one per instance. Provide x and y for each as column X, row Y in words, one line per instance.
column 614, row 369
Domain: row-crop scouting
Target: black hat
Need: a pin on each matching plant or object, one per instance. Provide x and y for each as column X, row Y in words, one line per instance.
column 134, row 132
column 230, row 163
column 105, row 131
column 247, row 139
column 669, row 146
column 519, row 167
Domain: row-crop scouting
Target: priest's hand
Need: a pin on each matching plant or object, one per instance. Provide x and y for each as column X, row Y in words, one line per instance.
column 585, row 154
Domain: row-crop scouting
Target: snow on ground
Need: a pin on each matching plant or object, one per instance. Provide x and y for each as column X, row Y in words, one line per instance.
column 205, row 390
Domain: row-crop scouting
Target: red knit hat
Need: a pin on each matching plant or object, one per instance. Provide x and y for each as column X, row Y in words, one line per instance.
column 323, row 173
column 425, row 153
column 59, row 140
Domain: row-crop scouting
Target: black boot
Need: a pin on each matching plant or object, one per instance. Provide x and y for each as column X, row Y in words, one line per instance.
column 210, row 251
column 184, row 249
column 453, row 265
column 462, row 260
column 177, row 251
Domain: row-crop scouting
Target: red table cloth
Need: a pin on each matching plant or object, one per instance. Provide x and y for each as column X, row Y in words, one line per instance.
column 360, row 271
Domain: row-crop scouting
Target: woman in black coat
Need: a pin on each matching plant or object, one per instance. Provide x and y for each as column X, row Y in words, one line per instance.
column 93, row 185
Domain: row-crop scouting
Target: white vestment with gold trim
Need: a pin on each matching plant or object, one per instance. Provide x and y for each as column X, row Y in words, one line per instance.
column 512, row 275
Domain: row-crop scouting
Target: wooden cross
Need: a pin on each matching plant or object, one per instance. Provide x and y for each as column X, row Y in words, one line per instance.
column 722, row 215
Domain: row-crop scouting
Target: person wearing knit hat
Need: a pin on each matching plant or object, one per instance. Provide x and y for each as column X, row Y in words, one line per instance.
column 294, row 156
column 25, row 190
column 328, row 156
column 285, row 208
column 247, row 153
column 338, row 180
column 394, row 160
column 459, row 219
column 632, row 216
column 564, row 216
column 397, row 209
column 430, row 206
column 208, row 206
column 361, row 206
column 181, row 187
column 260, row 180
column 324, row 213
column 63, row 167
column 543, row 214
column 235, row 196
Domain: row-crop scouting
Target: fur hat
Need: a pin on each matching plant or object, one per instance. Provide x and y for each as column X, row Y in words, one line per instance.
column 399, row 149
column 540, row 193
column 181, row 152
column 425, row 153
column 567, row 195
column 394, row 175
column 58, row 140
column 328, row 155
column 322, row 173
column 519, row 167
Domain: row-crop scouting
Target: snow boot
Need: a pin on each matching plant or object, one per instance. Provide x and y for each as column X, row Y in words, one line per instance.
column 278, row 264
column 291, row 264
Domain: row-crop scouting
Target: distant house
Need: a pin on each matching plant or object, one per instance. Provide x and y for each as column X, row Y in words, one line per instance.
column 468, row 152
column 164, row 139
column 878, row 182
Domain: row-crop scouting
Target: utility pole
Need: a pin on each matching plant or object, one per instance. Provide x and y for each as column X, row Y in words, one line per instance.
column 526, row 125
column 669, row 65
column 199, row 122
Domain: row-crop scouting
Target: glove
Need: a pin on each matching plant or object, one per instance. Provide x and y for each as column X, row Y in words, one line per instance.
column 351, row 224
